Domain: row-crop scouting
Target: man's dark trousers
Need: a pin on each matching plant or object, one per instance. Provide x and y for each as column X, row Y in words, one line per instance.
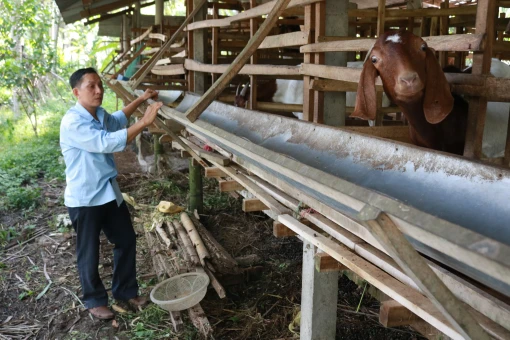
column 116, row 224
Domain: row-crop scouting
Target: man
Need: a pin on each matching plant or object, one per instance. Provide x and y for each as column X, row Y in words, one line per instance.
column 88, row 138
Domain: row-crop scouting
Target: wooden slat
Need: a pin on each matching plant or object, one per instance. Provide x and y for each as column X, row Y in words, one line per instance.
column 456, row 42
column 211, row 172
column 168, row 70
column 253, row 205
column 202, row 153
column 393, row 240
column 229, row 186
column 285, row 40
column 141, row 37
column 254, row 189
column 326, row 263
column 393, row 314
column 281, row 230
column 405, row 13
column 274, row 70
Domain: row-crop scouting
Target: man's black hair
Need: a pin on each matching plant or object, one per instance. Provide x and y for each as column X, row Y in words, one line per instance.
column 77, row 76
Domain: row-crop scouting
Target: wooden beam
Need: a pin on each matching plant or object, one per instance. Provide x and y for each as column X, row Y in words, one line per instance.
column 253, row 204
column 254, row 189
column 456, row 42
column 276, row 70
column 211, row 172
column 393, row 240
column 285, row 40
column 141, row 37
column 325, row 263
column 393, row 314
column 281, row 230
column 105, row 8
column 196, row 110
column 228, row 186
column 168, row 70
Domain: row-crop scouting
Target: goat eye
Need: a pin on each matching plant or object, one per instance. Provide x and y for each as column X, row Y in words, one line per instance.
column 374, row 59
column 424, row 47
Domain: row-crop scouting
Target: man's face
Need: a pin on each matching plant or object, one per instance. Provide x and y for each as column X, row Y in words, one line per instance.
column 89, row 91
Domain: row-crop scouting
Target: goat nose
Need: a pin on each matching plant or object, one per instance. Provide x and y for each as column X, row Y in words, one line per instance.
column 408, row 79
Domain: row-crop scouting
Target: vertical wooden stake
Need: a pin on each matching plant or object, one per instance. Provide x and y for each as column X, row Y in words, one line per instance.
column 196, row 196
column 254, row 60
column 308, row 96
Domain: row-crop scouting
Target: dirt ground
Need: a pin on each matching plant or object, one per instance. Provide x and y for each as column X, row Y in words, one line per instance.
column 40, row 290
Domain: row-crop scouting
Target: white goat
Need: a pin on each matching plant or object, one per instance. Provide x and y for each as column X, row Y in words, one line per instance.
column 496, row 119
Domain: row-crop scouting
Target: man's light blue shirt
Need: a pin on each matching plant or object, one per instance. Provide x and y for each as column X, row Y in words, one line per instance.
column 88, row 145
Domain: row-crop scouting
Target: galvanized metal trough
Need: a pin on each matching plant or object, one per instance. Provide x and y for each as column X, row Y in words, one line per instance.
column 453, row 210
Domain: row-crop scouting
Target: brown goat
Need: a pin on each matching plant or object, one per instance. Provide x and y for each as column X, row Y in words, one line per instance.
column 412, row 78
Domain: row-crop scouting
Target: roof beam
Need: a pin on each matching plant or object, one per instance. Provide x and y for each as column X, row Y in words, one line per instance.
column 105, row 8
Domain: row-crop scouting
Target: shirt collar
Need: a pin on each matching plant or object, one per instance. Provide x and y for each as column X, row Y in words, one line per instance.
column 85, row 114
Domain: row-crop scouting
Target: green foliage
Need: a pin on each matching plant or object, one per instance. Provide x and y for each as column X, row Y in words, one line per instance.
column 215, row 200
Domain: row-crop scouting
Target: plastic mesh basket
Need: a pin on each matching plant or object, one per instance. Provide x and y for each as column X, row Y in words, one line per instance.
column 180, row 292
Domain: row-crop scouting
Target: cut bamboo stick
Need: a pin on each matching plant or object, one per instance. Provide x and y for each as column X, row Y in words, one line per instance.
column 195, row 238
column 188, row 246
column 163, row 235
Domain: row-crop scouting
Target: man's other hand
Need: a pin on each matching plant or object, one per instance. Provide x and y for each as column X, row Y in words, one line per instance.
column 150, row 93
column 151, row 113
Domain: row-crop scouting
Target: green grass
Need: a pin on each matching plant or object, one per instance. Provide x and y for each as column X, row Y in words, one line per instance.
column 26, row 160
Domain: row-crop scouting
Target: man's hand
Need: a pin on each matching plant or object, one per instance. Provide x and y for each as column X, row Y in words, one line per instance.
column 151, row 113
column 150, row 93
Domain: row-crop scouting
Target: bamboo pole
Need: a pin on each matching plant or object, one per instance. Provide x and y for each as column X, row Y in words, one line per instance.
column 196, row 110
column 202, row 251
column 188, row 246
column 196, row 194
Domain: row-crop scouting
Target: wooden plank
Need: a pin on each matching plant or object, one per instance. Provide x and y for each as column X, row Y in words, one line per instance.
column 165, row 139
column 169, row 70
column 196, row 110
column 281, row 230
column 142, row 72
column 393, row 314
column 211, row 172
column 457, row 42
column 229, row 186
column 200, row 152
column 141, row 37
column 274, row 70
column 254, row 189
column 406, row 13
column 334, row 72
column 285, row 40
column 319, row 59
column 279, row 107
column 485, row 17
column 253, row 204
column 158, row 36
column 308, row 93
column 326, row 263
column 393, row 240
column 185, row 154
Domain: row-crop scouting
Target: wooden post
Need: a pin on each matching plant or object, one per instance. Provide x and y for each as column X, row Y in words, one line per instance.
column 196, row 198
column 214, row 42
column 125, row 33
column 254, row 60
column 398, row 247
column 319, row 59
column 485, row 18
column 308, row 96
column 319, row 298
column 158, row 18
column 443, row 28
column 158, row 150
column 196, row 110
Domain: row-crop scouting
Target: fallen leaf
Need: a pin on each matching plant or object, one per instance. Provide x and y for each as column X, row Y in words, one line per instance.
column 119, row 309
column 115, row 324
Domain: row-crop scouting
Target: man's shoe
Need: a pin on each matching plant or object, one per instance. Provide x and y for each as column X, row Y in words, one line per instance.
column 102, row 312
column 139, row 301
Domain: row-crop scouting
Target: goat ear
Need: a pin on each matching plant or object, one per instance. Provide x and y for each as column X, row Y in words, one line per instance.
column 438, row 101
column 365, row 107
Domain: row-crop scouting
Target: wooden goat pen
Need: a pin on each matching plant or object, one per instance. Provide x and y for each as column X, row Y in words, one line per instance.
column 226, row 37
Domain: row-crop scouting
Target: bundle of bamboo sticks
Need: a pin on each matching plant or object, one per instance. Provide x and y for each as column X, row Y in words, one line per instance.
column 184, row 246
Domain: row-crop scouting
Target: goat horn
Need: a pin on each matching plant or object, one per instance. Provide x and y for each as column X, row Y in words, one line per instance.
column 238, row 88
column 245, row 89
